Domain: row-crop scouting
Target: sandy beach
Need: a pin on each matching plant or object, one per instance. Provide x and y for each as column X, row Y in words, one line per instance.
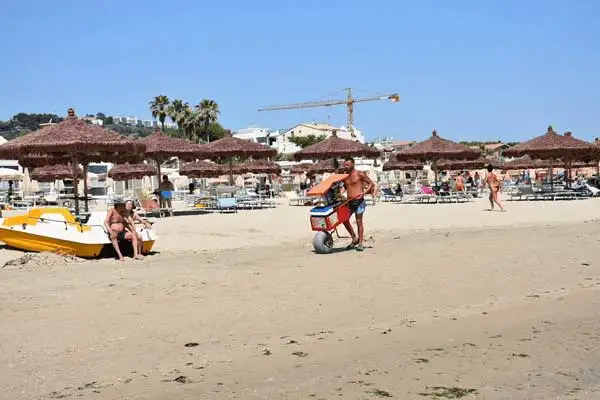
column 447, row 300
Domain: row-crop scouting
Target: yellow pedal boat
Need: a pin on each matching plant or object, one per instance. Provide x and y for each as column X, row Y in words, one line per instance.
column 56, row 230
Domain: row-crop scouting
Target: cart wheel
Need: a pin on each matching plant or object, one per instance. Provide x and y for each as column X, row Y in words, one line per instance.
column 323, row 242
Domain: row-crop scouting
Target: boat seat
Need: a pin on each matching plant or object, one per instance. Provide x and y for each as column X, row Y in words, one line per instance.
column 96, row 218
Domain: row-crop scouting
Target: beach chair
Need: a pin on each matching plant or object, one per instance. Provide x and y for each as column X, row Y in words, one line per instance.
column 227, row 205
column 387, row 195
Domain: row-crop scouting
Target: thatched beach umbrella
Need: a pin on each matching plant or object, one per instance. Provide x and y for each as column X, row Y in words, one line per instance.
column 437, row 148
column 40, row 160
column 258, row 167
column 202, row 169
column 323, row 166
column 552, row 146
column 300, row 168
column 77, row 140
column 123, row 172
column 56, row 172
column 229, row 147
column 478, row 163
column 160, row 147
column 335, row 147
column 395, row 165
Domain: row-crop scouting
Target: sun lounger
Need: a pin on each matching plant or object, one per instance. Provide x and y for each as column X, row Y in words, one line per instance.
column 388, row 196
column 227, row 204
column 301, row 201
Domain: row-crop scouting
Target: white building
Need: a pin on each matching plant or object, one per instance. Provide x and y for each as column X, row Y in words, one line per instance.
column 281, row 139
column 268, row 137
column 135, row 121
column 318, row 129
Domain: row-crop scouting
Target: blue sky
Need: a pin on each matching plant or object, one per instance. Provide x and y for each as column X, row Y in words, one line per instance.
column 472, row 69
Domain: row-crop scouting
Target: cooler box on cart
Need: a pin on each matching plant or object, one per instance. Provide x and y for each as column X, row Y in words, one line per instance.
column 326, row 218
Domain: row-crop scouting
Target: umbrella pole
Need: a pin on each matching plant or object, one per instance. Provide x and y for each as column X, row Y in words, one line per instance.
column 85, row 187
column 551, row 178
column 160, row 203
column 74, row 165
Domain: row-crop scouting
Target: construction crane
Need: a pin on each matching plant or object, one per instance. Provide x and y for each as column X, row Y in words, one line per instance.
column 349, row 102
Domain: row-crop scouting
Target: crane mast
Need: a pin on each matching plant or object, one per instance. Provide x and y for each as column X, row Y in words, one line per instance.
column 349, row 102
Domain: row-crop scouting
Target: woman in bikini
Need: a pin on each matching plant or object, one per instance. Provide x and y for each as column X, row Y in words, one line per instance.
column 119, row 229
column 134, row 218
column 494, row 184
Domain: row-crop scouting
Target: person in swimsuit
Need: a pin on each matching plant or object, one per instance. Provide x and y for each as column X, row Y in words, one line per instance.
column 357, row 184
column 116, row 224
column 494, row 184
column 134, row 218
column 459, row 185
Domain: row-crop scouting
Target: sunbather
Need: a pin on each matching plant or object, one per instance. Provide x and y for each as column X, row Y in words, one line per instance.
column 116, row 223
column 134, row 218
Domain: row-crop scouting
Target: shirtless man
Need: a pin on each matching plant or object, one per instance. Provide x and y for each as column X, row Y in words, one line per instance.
column 357, row 184
column 494, row 184
column 116, row 225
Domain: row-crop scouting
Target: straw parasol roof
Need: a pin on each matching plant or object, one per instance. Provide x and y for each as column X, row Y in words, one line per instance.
column 337, row 147
column 229, row 146
column 551, row 145
column 77, row 139
column 526, row 162
column 40, row 160
column 478, row 163
column 51, row 173
column 202, row 169
column 123, row 172
column 395, row 165
column 437, row 148
column 300, row 168
column 258, row 167
column 10, row 150
column 321, row 167
column 160, row 146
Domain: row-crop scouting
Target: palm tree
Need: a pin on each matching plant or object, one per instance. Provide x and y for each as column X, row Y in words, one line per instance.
column 159, row 107
column 193, row 125
column 178, row 112
column 208, row 112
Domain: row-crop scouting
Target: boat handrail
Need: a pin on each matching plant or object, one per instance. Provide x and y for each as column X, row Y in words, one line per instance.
column 67, row 223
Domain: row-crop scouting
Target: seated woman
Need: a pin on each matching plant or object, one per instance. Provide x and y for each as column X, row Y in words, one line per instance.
column 134, row 218
column 119, row 229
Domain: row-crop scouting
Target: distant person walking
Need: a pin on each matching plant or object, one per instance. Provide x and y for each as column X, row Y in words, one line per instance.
column 166, row 190
column 492, row 181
